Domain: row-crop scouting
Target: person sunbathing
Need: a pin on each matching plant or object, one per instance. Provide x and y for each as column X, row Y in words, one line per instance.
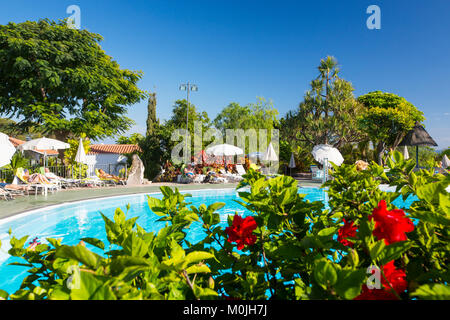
column 106, row 176
column 14, row 187
column 34, row 178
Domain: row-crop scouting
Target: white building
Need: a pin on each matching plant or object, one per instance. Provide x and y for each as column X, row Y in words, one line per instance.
column 109, row 157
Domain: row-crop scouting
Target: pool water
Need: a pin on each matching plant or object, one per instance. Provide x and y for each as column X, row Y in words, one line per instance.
column 73, row 221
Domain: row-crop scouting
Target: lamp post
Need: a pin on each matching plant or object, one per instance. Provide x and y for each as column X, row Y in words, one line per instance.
column 188, row 87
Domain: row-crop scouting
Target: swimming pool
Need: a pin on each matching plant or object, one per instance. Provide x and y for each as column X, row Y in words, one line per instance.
column 73, row 221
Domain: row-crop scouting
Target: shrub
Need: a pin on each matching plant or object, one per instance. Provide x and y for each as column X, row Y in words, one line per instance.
column 289, row 248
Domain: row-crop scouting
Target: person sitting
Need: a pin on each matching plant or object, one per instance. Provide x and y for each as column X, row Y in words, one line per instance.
column 188, row 171
column 50, row 175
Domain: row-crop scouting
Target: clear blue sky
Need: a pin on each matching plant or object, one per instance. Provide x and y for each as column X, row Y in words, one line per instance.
column 236, row 51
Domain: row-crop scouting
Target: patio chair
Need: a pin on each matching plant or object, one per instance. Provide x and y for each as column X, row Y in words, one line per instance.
column 316, row 173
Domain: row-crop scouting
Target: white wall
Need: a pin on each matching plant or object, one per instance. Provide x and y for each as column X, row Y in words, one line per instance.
column 103, row 161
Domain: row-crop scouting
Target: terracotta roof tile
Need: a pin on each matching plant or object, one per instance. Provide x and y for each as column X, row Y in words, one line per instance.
column 94, row 149
column 16, row 142
column 113, row 148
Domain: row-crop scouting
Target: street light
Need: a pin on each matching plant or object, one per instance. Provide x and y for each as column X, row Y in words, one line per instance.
column 188, row 87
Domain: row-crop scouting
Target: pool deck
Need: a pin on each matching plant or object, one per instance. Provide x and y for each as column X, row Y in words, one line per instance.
column 31, row 202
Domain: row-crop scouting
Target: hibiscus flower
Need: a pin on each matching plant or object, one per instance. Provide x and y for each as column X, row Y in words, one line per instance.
column 390, row 225
column 241, row 231
column 347, row 230
column 397, row 280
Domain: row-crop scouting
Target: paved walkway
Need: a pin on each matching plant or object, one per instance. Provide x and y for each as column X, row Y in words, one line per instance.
column 26, row 203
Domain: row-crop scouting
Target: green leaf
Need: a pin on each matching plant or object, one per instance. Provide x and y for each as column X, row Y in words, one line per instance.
column 198, row 256
column 134, row 246
column 349, row 283
column 393, row 251
column 95, row 242
column 177, row 252
column 325, row 273
column 198, row 268
column 433, row 292
column 428, row 192
column 91, row 287
column 204, row 293
column 216, row 206
column 59, row 293
column 327, row 232
column 81, row 254
column 119, row 216
column 3, row 294
column 376, row 248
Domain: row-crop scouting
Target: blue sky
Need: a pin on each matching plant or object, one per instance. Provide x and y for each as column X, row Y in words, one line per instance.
column 236, row 51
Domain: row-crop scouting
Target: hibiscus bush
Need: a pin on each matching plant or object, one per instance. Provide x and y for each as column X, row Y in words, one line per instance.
column 360, row 247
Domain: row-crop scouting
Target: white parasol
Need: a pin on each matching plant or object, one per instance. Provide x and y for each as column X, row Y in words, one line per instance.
column 405, row 153
column 44, row 144
column 325, row 151
column 224, row 150
column 7, row 150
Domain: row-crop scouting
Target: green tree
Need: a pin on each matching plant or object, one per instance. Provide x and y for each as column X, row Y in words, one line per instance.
column 62, row 80
column 134, row 138
column 328, row 112
column 259, row 115
column 178, row 121
column 386, row 119
column 152, row 121
column 445, row 152
column 12, row 128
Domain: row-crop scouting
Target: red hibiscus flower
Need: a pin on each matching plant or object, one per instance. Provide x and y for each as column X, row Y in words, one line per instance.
column 347, row 230
column 241, row 231
column 397, row 280
column 390, row 225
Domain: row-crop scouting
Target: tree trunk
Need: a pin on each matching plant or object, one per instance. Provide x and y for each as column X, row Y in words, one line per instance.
column 380, row 152
column 61, row 135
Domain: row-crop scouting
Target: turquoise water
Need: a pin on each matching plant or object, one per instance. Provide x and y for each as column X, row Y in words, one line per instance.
column 73, row 221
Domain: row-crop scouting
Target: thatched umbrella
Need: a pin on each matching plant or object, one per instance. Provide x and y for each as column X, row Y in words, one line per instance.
column 418, row 136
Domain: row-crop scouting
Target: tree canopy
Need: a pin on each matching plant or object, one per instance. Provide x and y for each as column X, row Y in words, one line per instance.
column 134, row 138
column 152, row 121
column 63, row 81
column 327, row 114
column 386, row 119
column 259, row 115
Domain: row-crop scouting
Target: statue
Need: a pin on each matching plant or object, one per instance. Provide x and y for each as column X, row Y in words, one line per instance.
column 136, row 176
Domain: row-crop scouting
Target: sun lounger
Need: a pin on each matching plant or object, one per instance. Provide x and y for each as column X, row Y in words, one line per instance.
column 16, row 190
column 20, row 180
column 92, row 181
column 231, row 177
column 107, row 181
column 6, row 194
column 240, row 169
